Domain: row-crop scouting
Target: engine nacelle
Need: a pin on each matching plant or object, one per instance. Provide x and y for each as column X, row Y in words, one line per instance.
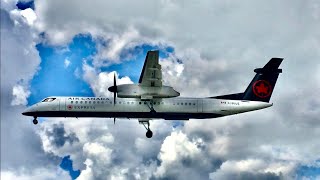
column 144, row 92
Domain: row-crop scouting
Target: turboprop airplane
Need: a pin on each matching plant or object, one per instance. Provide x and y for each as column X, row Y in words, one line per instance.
column 151, row 100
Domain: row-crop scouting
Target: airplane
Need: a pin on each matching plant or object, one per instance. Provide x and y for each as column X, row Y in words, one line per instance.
column 149, row 99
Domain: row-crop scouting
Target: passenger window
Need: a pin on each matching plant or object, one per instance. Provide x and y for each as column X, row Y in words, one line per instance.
column 80, row 102
column 98, row 102
column 185, row 103
column 190, row 104
column 128, row 102
column 93, row 102
column 132, row 102
column 71, row 102
column 120, row 102
column 89, row 102
column 76, row 102
column 177, row 103
column 145, row 102
column 158, row 103
column 139, row 102
column 85, row 102
column 162, row 103
column 194, row 104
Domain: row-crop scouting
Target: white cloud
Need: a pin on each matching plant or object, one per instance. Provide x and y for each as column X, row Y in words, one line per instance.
column 99, row 151
column 251, row 169
column 29, row 15
column 219, row 43
column 22, row 156
column 8, row 4
column 35, row 174
column 87, row 174
column 174, row 148
column 117, row 44
column 101, row 81
column 20, row 95
column 67, row 63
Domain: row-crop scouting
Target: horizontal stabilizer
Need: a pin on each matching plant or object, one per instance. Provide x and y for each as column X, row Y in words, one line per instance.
column 271, row 67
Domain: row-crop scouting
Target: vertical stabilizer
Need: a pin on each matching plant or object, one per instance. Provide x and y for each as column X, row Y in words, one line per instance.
column 263, row 83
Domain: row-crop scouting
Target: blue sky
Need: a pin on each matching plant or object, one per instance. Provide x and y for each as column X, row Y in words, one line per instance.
column 311, row 172
column 55, row 79
column 66, row 164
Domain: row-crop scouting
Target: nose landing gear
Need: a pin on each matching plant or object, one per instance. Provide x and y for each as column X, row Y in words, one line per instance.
column 149, row 133
column 35, row 121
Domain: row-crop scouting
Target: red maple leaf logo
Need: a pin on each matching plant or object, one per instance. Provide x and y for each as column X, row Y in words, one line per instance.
column 262, row 88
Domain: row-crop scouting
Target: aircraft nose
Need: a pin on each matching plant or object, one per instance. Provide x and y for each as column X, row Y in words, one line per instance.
column 28, row 112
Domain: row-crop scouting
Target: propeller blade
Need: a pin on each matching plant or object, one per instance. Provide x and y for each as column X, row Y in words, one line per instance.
column 115, row 89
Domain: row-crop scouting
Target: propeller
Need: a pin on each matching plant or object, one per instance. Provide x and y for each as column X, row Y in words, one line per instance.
column 115, row 89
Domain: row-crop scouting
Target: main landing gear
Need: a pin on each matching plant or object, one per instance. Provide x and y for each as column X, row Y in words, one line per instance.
column 149, row 133
column 35, row 121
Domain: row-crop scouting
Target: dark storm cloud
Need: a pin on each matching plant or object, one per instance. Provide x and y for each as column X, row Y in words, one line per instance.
column 58, row 136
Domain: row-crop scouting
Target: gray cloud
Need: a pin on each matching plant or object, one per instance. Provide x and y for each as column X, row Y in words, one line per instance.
column 219, row 44
column 250, row 175
column 59, row 137
column 22, row 155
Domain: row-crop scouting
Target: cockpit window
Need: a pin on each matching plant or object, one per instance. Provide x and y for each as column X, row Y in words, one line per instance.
column 48, row 99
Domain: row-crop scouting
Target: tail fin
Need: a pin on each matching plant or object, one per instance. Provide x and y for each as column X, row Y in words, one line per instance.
column 263, row 83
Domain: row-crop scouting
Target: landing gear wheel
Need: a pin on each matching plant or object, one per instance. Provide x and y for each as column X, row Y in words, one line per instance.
column 35, row 121
column 149, row 134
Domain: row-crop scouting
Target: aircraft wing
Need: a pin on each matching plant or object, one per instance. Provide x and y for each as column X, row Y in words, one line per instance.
column 151, row 75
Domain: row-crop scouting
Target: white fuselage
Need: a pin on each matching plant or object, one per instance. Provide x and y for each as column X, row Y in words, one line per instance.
column 169, row 108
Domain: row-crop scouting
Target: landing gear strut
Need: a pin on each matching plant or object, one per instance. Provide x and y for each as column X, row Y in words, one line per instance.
column 35, row 121
column 149, row 133
column 151, row 107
